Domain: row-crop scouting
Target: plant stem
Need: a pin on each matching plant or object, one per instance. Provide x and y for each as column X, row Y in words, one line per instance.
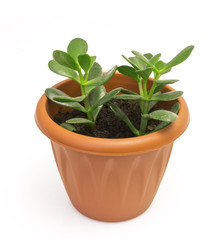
column 144, row 111
column 86, row 100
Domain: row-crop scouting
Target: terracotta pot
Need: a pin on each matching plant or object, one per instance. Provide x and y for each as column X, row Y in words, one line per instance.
column 109, row 179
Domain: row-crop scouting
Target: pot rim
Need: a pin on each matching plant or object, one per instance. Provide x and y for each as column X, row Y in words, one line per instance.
column 105, row 146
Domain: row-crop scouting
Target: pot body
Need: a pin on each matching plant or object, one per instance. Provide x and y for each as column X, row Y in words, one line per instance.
column 111, row 188
column 110, row 179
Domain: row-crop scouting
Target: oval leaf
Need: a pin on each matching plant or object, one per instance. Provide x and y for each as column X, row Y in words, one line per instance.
column 170, row 81
column 69, row 99
column 180, row 57
column 58, row 95
column 148, row 55
column 126, row 91
column 95, row 71
column 138, row 62
column 129, row 71
column 160, row 65
column 65, row 59
column 167, row 96
column 155, row 58
column 68, row 126
column 63, row 71
column 120, row 114
column 85, row 62
column 96, row 94
column 77, row 47
column 163, row 115
column 51, row 93
column 101, row 80
column 174, row 109
column 79, row 120
column 131, row 62
column 106, row 98
column 128, row 97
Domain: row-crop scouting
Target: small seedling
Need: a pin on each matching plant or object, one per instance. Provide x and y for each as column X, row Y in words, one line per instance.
column 141, row 68
column 72, row 64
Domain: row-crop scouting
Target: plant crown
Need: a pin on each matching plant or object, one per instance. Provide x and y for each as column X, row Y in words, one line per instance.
column 76, row 61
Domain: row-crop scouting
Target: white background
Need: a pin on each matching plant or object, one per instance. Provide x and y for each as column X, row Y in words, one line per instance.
column 33, row 202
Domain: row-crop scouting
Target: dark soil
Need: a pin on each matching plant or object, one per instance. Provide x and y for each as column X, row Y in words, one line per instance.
column 107, row 124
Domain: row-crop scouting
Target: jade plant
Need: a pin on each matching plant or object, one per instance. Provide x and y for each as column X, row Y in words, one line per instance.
column 76, row 64
column 142, row 65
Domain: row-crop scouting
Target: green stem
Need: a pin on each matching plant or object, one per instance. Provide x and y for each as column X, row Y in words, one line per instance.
column 144, row 120
column 86, row 100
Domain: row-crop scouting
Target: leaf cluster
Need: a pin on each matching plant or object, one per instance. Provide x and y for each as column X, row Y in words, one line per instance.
column 76, row 64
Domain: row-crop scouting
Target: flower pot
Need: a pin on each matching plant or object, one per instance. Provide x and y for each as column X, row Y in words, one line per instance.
column 110, row 179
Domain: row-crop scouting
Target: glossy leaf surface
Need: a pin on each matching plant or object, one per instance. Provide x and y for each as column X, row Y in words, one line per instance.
column 175, row 109
column 129, row 71
column 52, row 93
column 63, row 71
column 79, row 120
column 163, row 115
column 77, row 47
column 167, row 96
column 107, row 97
column 95, row 95
column 119, row 113
column 128, row 97
column 65, row 59
column 85, row 62
column 68, row 126
column 170, row 81
column 101, row 80
column 180, row 57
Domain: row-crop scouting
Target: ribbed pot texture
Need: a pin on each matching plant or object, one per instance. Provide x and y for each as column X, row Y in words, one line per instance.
column 110, row 179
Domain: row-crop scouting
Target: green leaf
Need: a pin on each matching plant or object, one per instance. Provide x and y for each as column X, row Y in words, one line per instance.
column 129, row 71
column 159, row 87
column 120, row 114
column 131, row 62
column 153, row 103
column 69, row 99
column 126, row 91
column 180, row 57
column 65, row 59
column 167, row 96
column 148, row 55
column 85, row 62
column 101, row 80
column 77, row 47
column 93, row 59
column 79, row 120
column 128, row 97
column 63, row 71
column 106, row 98
column 95, row 95
column 52, row 93
column 139, row 63
column 170, row 81
column 163, row 115
column 95, row 71
column 68, row 126
column 141, row 57
column 155, row 58
column 145, row 73
column 174, row 109
column 160, row 65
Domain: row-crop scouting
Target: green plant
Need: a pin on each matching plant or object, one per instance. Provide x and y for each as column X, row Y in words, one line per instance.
column 142, row 67
column 72, row 64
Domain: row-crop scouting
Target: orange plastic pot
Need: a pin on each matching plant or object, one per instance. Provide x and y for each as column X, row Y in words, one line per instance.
column 109, row 179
